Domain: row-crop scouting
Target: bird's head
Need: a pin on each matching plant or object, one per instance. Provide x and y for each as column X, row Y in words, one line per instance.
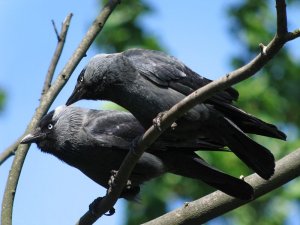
column 52, row 131
column 94, row 79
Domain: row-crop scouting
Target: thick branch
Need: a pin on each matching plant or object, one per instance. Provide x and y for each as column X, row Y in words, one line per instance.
column 183, row 106
column 45, row 103
column 218, row 203
column 61, row 38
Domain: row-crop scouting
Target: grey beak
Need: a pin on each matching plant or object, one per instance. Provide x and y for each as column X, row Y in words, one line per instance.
column 32, row 137
column 75, row 96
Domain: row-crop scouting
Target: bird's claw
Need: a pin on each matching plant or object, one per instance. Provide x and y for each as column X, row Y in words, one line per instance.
column 110, row 212
column 93, row 207
column 157, row 120
column 111, row 181
column 174, row 125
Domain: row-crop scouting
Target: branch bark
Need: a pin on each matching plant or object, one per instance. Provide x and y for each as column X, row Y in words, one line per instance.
column 218, row 203
column 187, row 103
column 10, row 151
column 45, row 103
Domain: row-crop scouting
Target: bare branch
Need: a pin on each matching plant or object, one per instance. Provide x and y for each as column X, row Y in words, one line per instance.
column 281, row 18
column 45, row 103
column 10, row 151
column 218, row 203
column 56, row 31
column 57, row 53
column 183, row 106
column 293, row 35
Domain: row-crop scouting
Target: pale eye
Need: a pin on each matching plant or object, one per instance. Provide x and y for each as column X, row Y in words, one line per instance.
column 81, row 79
column 50, row 126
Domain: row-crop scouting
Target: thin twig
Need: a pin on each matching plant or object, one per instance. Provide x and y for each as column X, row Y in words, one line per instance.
column 56, row 31
column 10, row 151
column 183, row 106
column 282, row 28
column 45, row 103
column 218, row 203
column 57, row 53
column 293, row 35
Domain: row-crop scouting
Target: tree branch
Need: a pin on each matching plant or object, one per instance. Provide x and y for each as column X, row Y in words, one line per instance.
column 45, row 103
column 10, row 151
column 293, row 35
column 281, row 18
column 61, row 38
column 183, row 106
column 218, row 203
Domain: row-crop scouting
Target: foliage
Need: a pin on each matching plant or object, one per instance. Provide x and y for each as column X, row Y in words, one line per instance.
column 272, row 95
column 2, row 99
column 123, row 30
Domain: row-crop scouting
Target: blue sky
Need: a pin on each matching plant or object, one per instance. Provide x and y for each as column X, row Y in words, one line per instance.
column 49, row 191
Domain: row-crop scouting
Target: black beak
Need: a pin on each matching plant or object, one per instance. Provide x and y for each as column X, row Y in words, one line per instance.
column 75, row 96
column 33, row 137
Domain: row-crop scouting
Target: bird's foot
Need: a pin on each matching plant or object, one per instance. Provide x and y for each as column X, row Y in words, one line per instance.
column 174, row 125
column 157, row 120
column 94, row 205
column 111, row 181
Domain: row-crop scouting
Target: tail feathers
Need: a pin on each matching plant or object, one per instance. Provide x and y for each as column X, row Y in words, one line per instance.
column 192, row 166
column 249, row 123
column 230, row 185
column 254, row 155
column 185, row 144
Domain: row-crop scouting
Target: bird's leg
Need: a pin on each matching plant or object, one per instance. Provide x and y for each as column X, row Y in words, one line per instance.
column 93, row 207
column 157, row 121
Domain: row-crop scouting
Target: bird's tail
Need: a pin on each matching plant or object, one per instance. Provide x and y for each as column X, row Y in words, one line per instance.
column 254, row 155
column 192, row 166
column 249, row 123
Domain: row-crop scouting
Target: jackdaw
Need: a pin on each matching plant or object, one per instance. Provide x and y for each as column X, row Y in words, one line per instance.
column 96, row 142
column 148, row 82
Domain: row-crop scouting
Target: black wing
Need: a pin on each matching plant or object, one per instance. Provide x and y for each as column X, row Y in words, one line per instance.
column 110, row 128
column 117, row 129
column 167, row 71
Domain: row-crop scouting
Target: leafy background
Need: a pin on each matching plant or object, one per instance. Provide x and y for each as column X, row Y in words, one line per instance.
column 48, row 187
column 273, row 95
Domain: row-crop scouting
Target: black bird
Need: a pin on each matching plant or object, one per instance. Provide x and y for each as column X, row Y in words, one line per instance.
column 147, row 82
column 96, row 142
